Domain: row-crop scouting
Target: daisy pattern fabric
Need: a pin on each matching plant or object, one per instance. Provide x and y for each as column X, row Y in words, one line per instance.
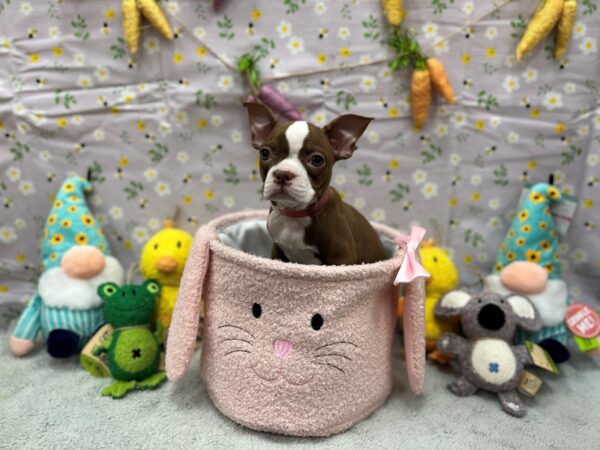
column 167, row 127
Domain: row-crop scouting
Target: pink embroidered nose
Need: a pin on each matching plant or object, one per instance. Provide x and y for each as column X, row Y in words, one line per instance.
column 282, row 348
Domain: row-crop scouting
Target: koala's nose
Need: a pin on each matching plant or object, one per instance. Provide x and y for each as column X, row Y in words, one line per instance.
column 282, row 348
column 283, row 176
column 83, row 261
column 491, row 317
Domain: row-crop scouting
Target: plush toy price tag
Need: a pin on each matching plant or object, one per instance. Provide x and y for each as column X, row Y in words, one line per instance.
column 529, row 384
column 586, row 345
column 583, row 321
column 97, row 366
column 562, row 210
column 541, row 358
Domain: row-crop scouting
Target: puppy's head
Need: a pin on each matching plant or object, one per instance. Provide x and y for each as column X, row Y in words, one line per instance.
column 297, row 158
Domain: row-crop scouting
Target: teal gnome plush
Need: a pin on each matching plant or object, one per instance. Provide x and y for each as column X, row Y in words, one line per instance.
column 76, row 259
column 528, row 264
column 133, row 349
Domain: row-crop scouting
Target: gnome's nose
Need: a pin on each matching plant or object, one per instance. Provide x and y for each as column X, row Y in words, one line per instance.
column 524, row 277
column 83, row 261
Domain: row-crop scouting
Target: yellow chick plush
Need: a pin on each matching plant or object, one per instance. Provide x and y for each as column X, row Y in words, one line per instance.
column 163, row 259
column 444, row 278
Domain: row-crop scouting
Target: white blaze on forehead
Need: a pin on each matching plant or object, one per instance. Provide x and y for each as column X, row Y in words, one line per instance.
column 296, row 134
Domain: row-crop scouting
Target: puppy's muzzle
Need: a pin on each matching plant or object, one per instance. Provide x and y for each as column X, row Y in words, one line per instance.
column 283, row 177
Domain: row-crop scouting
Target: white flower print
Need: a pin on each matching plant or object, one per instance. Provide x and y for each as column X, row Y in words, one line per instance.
column 165, row 128
column 570, row 88
column 491, row 33
column 54, row 32
column 441, row 46
column 162, row 188
column 284, row 29
column 85, row 82
column 183, row 157
column 26, row 8
column 99, row 134
column 199, row 32
column 441, row 129
column 495, row 121
column 368, row 83
column 343, row 33
column 150, row 174
column 455, row 159
column 45, row 155
column 373, row 137
column 207, row 178
column 152, row 45
column 579, row 30
column 510, row 84
column 588, row 45
column 359, row 203
column 116, row 212
column 468, row 8
column 320, row 8
column 512, row 137
column 79, row 59
column 216, row 121
column 7, row 235
column 283, row 87
column 140, row 234
column 319, row 118
column 494, row 203
column 429, row 190
column 102, row 74
column 583, row 131
column 495, row 223
column 295, row 45
column 340, row 179
column 378, row 215
column 26, row 187
column 476, row 180
column 552, row 100
column 229, row 201
column 459, row 119
column 225, row 83
column 13, row 173
column 530, row 75
column 592, row 160
column 385, row 74
column 419, row 176
column 429, row 30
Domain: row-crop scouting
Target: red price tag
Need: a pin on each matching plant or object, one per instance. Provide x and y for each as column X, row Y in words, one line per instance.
column 582, row 320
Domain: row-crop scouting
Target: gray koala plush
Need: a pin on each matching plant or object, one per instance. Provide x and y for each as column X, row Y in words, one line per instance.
column 487, row 358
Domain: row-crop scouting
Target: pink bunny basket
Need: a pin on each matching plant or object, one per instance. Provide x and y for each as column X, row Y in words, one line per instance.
column 294, row 349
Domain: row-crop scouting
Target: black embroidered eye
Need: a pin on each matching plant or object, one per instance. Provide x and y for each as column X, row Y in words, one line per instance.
column 435, row 259
column 178, row 244
column 256, row 310
column 316, row 160
column 265, row 154
column 316, row 322
column 155, row 246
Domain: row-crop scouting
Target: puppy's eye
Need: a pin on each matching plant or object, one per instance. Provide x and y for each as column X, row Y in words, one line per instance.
column 265, row 154
column 316, row 160
column 256, row 310
column 316, row 322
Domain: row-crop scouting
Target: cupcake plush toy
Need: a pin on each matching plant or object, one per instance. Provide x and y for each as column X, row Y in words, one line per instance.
column 76, row 259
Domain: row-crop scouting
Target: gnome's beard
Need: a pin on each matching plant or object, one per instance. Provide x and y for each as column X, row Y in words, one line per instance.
column 59, row 290
column 551, row 303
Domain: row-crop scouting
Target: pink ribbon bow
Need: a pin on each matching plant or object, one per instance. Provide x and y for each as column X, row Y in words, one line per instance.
column 410, row 267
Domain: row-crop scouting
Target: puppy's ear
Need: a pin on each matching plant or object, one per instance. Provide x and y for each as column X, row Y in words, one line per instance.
column 452, row 304
column 343, row 133
column 262, row 123
column 526, row 316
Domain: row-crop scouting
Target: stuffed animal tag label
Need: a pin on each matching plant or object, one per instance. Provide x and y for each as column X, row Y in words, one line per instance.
column 530, row 384
column 562, row 210
column 585, row 345
column 583, row 321
column 541, row 358
column 97, row 366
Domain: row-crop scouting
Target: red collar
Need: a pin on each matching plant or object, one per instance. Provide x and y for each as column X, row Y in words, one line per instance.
column 310, row 211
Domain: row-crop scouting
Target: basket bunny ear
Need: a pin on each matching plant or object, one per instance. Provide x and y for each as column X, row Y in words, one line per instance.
column 184, row 324
column 412, row 272
column 414, row 333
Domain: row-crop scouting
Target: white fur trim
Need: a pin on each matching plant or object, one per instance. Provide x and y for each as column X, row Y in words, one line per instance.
column 551, row 304
column 455, row 299
column 59, row 290
column 521, row 306
column 493, row 360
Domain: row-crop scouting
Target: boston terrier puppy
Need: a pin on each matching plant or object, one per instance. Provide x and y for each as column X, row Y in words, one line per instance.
column 308, row 221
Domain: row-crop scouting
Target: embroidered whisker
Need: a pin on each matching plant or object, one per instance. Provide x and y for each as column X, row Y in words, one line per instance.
column 237, row 340
column 235, row 326
column 331, row 365
column 333, row 354
column 336, row 343
column 237, row 351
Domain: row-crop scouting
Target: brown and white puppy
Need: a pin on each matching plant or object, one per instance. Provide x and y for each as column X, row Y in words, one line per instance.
column 308, row 221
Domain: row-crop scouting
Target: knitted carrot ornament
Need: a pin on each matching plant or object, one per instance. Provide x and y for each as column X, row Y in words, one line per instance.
column 133, row 10
column 541, row 25
column 565, row 28
column 420, row 94
column 394, row 11
column 439, row 79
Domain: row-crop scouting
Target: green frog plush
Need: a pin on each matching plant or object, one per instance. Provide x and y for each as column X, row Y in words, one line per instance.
column 133, row 349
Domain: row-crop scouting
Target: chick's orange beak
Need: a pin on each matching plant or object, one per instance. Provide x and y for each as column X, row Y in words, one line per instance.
column 166, row 264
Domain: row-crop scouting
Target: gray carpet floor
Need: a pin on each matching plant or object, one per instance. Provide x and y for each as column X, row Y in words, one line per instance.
column 52, row 404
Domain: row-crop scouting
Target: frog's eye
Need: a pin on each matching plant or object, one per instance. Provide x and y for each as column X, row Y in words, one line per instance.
column 107, row 290
column 152, row 287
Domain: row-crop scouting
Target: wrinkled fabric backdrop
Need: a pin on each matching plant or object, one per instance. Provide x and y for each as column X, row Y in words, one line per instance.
column 170, row 130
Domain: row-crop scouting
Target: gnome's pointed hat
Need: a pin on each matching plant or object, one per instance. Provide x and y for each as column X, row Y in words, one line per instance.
column 70, row 223
column 532, row 236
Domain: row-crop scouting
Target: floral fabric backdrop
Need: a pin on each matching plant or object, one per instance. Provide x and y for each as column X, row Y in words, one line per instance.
column 169, row 129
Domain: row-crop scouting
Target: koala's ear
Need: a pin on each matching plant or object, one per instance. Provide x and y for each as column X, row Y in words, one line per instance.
column 526, row 315
column 262, row 123
column 452, row 304
column 107, row 290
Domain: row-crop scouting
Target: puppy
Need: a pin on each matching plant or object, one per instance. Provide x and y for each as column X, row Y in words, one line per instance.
column 308, row 221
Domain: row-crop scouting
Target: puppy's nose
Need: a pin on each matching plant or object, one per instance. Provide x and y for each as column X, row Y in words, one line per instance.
column 283, row 176
column 491, row 317
column 282, row 348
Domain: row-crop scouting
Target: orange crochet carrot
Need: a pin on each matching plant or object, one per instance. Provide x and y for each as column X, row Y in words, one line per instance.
column 439, row 79
column 565, row 28
column 420, row 94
